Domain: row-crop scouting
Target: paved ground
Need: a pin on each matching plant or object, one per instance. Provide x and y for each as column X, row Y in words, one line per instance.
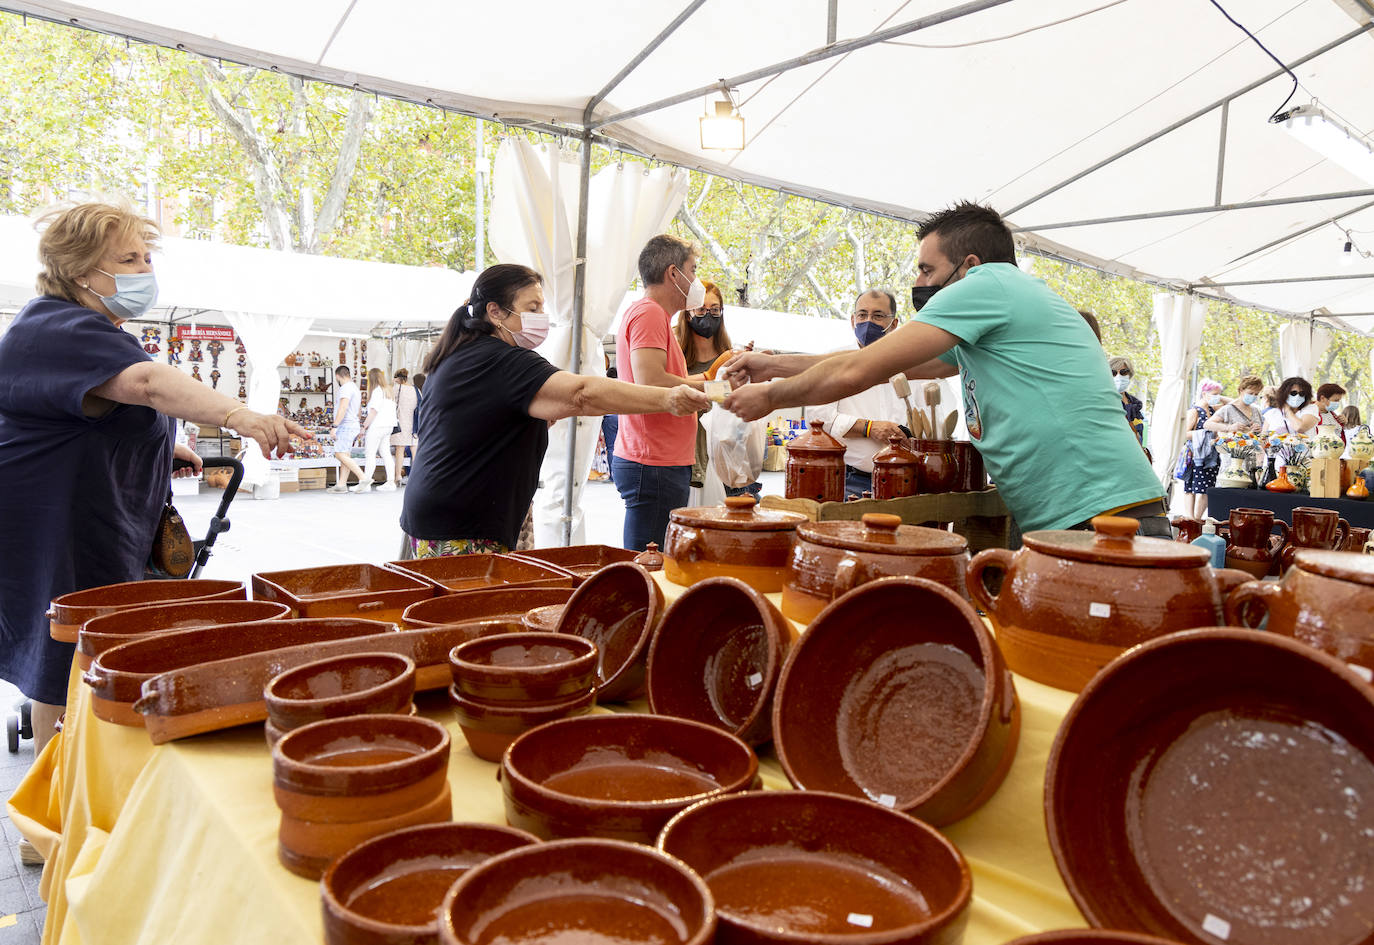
column 21, row 909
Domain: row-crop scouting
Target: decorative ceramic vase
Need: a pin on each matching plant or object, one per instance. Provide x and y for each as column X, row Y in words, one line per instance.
column 896, row 471
column 815, row 466
column 1327, row 444
column 1358, row 489
column 1250, row 546
column 1282, row 483
column 1234, row 476
column 1361, row 447
column 1267, row 473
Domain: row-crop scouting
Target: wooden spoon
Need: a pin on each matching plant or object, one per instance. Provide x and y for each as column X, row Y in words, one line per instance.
column 932, row 392
column 950, row 423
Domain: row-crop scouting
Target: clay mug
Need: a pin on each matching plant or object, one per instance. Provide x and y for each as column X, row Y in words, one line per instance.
column 1357, row 539
column 1188, row 529
column 1249, row 545
column 1315, row 528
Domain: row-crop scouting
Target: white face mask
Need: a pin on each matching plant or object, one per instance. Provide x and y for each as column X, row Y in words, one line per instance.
column 1122, row 381
column 696, row 295
column 1213, row 400
column 134, row 294
column 1295, row 400
column 1336, row 406
column 534, row 328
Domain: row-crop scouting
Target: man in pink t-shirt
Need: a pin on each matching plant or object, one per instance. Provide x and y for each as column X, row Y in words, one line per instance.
column 652, row 466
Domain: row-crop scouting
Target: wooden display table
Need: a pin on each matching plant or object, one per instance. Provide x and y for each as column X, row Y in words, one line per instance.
column 980, row 517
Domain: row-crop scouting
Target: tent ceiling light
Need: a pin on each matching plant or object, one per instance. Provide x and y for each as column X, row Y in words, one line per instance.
column 723, row 131
column 1330, row 138
column 1348, row 254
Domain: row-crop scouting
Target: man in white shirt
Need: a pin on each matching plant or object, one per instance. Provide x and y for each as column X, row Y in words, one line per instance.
column 864, row 421
column 347, row 400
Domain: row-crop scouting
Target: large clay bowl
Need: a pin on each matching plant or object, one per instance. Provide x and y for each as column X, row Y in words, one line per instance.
column 331, row 688
column 70, row 611
column 582, row 561
column 451, row 573
column 716, row 658
column 823, row 869
column 100, row 633
column 1090, row 937
column 481, row 605
column 1218, row 785
column 618, row 608
column 524, row 667
column 388, row 890
column 898, row 693
column 618, row 776
column 343, row 590
column 490, row 728
column 590, row 891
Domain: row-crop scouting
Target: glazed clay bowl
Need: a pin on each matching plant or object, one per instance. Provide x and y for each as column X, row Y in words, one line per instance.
column 717, row 656
column 866, row 875
column 543, row 619
column 589, row 891
column 582, row 561
column 524, row 667
column 490, row 727
column 618, row 776
column 832, row 558
column 733, row 540
column 481, row 605
column 618, row 608
column 451, row 573
column 70, row 611
column 343, row 590
column 1071, row 601
column 388, row 890
column 337, row 686
column 100, row 633
column 1090, row 937
column 918, row 714
column 1215, row 785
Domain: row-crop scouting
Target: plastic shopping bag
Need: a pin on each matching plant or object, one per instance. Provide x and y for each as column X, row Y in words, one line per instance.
column 736, row 447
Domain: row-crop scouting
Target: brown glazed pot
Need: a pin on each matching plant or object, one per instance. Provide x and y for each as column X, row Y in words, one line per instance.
column 543, row 619
column 1326, row 600
column 100, row 633
column 866, row 874
column 1214, row 785
column 579, row 891
column 1071, row 601
column 453, row 573
column 973, row 477
column 524, row 667
column 919, row 715
column 717, row 656
column 490, row 727
column 1090, row 937
column 618, row 608
column 618, row 776
column 815, row 467
column 331, row 688
column 1249, row 545
column 896, row 470
column 481, row 605
column 1320, row 529
column 343, row 590
column 735, row 540
column 70, row 611
column 830, row 559
column 1355, row 541
column 581, row 561
column 939, row 468
column 388, row 890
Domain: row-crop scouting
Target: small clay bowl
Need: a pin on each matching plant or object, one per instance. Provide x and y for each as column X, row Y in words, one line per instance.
column 618, row 776
column 523, row 668
column 491, row 727
column 543, row 619
column 866, row 874
column 1090, row 937
column 716, row 658
column 1215, row 785
column 388, row 890
column 898, row 693
column 480, row 605
column 100, row 633
column 357, row 684
column 618, row 608
column 579, row 891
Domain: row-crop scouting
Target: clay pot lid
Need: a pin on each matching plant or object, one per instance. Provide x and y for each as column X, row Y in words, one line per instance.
column 881, row 533
column 1341, row 565
column 1113, row 541
column 738, row 514
column 896, row 453
column 816, row 439
column 650, row 559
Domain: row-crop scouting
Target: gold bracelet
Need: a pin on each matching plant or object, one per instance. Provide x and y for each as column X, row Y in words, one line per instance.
column 235, row 410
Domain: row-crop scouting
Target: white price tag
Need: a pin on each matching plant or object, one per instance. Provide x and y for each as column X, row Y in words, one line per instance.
column 1216, row 925
column 859, row 918
column 754, row 680
column 887, row 800
column 1096, row 609
column 1364, row 672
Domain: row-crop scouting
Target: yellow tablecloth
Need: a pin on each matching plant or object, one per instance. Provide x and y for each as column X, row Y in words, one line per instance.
column 177, row 843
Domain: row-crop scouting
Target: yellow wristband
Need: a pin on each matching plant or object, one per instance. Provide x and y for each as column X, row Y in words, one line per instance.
column 225, row 422
column 868, row 428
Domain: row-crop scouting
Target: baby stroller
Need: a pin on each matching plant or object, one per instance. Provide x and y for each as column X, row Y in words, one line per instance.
column 19, row 723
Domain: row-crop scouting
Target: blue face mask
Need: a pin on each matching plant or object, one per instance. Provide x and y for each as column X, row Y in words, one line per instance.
column 1296, row 400
column 135, row 293
column 867, row 333
column 1250, row 398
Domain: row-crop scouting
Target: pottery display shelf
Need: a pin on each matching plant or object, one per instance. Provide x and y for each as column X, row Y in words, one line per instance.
column 980, row 517
column 1220, row 502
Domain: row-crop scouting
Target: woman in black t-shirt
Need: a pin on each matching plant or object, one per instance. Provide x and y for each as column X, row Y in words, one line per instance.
column 488, row 402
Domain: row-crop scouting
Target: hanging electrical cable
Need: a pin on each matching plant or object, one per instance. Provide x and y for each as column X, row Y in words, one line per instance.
column 1276, row 116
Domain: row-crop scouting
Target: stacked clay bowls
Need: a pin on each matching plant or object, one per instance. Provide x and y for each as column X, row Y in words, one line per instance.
column 339, row 686
column 101, row 633
column 733, row 540
column 618, row 608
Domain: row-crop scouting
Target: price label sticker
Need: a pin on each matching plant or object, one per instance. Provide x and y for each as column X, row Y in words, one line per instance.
column 887, row 800
column 754, row 680
column 860, row 919
column 1364, row 672
column 1096, row 609
column 1216, row 925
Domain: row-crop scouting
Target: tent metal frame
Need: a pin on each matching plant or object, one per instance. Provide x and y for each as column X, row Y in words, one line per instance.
column 1188, row 211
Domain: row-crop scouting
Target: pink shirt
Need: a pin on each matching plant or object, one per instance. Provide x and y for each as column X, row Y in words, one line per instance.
column 654, row 439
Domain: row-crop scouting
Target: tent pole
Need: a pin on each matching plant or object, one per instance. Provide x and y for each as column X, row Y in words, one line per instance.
column 1188, row 211
column 1221, row 150
column 579, row 293
column 832, row 22
column 480, row 186
column 1291, row 280
column 1303, row 232
column 644, row 53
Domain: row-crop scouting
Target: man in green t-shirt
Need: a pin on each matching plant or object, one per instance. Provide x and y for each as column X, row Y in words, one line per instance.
column 1038, row 397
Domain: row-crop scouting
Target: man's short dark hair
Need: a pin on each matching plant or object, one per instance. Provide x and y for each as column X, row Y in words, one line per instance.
column 1329, row 390
column 342, row 371
column 972, row 228
column 891, row 299
column 661, row 252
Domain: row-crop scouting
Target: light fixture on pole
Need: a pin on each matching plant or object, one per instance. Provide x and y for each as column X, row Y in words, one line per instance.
column 722, row 129
column 1332, row 139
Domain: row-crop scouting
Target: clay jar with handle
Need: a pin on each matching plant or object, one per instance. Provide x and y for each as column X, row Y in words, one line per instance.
column 733, row 540
column 1326, row 600
column 1249, row 545
column 939, row 469
column 815, row 466
column 1320, row 529
column 972, row 476
column 896, row 471
column 1071, row 601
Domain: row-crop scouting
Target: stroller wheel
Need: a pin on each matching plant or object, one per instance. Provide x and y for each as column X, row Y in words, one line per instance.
column 26, row 719
column 12, row 732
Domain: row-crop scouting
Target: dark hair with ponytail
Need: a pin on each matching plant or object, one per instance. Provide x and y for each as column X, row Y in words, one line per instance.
column 500, row 284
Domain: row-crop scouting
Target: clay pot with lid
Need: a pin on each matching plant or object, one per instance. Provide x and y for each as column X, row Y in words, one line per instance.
column 831, row 558
column 1071, row 601
column 735, row 540
column 815, row 466
column 896, row 471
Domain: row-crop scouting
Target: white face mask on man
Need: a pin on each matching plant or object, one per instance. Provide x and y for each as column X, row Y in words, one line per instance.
column 696, row 294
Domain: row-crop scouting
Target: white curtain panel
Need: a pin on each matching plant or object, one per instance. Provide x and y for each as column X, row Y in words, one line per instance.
column 267, row 339
column 1179, row 320
column 1301, row 346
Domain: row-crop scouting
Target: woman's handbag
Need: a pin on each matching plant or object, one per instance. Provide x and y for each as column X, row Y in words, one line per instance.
column 173, row 551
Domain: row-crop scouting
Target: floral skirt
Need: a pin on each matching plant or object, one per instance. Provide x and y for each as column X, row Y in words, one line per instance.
column 427, row 548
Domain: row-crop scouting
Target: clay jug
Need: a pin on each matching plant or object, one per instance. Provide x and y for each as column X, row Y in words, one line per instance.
column 815, row 466
column 1318, row 528
column 1356, row 540
column 1188, row 529
column 939, row 470
column 1249, row 545
column 1358, row 489
column 896, row 471
column 1281, row 483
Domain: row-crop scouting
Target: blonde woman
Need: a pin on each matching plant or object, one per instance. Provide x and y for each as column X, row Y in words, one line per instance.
column 406, row 401
column 381, row 418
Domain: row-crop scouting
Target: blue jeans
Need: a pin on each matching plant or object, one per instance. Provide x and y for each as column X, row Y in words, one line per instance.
column 650, row 493
column 610, row 426
column 857, row 482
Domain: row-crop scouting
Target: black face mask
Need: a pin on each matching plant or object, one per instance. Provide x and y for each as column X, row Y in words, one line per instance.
column 705, row 325
column 921, row 294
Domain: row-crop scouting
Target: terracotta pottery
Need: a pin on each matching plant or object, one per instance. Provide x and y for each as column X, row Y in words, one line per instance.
column 1071, row 601
column 1249, row 545
column 451, row 573
column 1321, row 529
column 70, row 611
column 863, row 873
column 1090, row 937
column 919, row 715
column 1214, row 786
column 543, row 619
column 618, row 608
column 100, row 633
column 650, row 559
column 490, row 727
column 1358, row 489
column 832, row 558
column 815, row 467
column 343, row 590
column 481, row 605
column 306, row 848
column 1356, row 539
column 524, row 667
column 896, row 470
column 581, row 561
column 388, row 890
column 116, row 677
column 331, row 688
column 735, row 540
column 1281, row 483
column 973, row 476
column 717, row 656
column 1186, row 529
column 588, row 891
column 939, row 468
column 618, row 776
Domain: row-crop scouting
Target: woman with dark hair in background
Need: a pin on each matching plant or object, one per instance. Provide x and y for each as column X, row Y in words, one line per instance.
column 1295, row 413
